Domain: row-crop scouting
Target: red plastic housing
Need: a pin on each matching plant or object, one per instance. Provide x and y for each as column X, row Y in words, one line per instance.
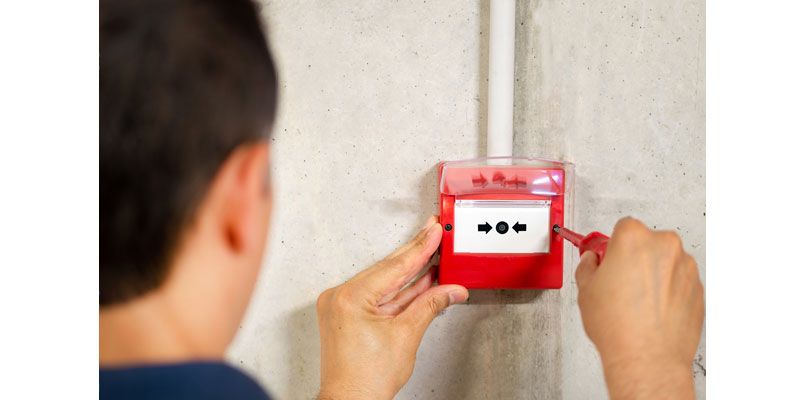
column 467, row 180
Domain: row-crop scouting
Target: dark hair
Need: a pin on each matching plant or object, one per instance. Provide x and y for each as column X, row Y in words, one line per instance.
column 182, row 84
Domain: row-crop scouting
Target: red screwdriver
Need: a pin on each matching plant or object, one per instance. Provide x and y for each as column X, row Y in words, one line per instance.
column 594, row 241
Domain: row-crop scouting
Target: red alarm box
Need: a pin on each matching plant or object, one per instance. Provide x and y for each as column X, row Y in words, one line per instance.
column 498, row 214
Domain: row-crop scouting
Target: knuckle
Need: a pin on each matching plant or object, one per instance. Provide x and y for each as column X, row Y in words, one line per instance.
column 691, row 262
column 435, row 304
column 417, row 243
column 672, row 243
column 628, row 224
column 628, row 228
column 403, row 262
column 324, row 299
column 398, row 266
column 691, row 265
column 343, row 298
column 334, row 299
column 673, row 239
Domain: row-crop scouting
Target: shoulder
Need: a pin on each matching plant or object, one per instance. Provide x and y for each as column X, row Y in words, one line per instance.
column 195, row 380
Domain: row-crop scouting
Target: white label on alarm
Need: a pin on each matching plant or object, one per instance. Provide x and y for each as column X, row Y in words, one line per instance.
column 502, row 226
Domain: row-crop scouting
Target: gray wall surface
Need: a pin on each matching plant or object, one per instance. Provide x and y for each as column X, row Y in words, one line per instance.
column 374, row 94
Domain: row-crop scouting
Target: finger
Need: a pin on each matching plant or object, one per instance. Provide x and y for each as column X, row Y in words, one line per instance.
column 627, row 231
column 417, row 238
column 386, row 278
column 428, row 223
column 586, row 268
column 399, row 302
column 627, row 225
column 428, row 305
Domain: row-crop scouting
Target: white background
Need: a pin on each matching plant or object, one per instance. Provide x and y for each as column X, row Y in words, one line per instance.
column 49, row 199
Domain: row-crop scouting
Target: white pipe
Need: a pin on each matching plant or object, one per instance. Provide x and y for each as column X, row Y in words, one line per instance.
column 500, row 135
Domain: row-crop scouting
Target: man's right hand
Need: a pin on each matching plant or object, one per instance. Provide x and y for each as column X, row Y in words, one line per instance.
column 643, row 308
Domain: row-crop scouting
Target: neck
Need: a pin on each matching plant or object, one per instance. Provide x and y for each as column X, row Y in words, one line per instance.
column 149, row 330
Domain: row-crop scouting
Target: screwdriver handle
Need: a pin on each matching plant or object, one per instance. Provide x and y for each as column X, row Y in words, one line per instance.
column 595, row 242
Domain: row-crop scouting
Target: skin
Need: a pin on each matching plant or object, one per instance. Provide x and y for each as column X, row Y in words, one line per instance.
column 642, row 307
column 371, row 326
column 195, row 313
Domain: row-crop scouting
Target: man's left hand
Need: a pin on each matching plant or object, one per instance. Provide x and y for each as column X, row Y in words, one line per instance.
column 371, row 326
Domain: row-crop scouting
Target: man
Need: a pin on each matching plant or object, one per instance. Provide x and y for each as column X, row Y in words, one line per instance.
column 187, row 100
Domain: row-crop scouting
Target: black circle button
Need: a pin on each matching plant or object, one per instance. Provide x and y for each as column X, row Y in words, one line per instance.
column 448, row 227
column 502, row 227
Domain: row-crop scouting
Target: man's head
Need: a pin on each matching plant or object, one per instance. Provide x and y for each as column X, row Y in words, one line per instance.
column 187, row 99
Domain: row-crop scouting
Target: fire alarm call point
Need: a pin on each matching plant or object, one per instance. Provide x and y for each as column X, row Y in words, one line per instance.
column 498, row 215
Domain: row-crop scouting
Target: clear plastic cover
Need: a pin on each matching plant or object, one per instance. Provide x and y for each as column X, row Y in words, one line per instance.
column 519, row 175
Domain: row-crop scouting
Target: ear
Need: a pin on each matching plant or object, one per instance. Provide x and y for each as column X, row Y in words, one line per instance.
column 242, row 188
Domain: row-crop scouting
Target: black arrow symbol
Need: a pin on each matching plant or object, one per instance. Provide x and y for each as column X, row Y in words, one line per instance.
column 484, row 228
column 519, row 227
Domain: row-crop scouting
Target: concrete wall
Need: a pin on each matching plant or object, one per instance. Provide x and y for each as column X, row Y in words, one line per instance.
column 374, row 94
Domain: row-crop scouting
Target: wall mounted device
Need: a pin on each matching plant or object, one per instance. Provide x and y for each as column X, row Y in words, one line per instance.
column 498, row 215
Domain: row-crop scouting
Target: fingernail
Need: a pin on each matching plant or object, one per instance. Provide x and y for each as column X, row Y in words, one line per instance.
column 458, row 296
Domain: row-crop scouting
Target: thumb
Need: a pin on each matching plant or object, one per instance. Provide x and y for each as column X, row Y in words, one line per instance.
column 586, row 269
column 429, row 304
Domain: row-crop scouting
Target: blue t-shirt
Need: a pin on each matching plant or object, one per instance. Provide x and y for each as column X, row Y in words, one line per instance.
column 191, row 380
